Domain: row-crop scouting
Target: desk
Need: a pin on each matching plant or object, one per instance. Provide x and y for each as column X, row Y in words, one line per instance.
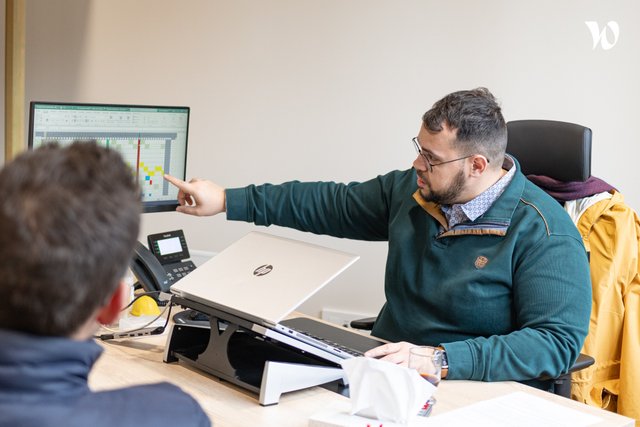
column 139, row 361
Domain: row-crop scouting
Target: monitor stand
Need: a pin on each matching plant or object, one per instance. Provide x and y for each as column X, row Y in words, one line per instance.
column 228, row 349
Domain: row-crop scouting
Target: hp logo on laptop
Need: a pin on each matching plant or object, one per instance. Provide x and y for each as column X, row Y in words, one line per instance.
column 262, row 270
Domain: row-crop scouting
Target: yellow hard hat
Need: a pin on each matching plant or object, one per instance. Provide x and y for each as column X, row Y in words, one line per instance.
column 145, row 306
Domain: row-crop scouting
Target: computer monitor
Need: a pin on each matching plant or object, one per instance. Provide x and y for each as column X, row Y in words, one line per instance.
column 151, row 139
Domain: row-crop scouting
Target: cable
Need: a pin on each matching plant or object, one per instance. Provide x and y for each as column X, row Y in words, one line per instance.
column 137, row 286
column 138, row 296
column 140, row 331
column 140, row 327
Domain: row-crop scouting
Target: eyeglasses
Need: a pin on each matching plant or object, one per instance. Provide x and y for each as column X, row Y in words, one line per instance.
column 418, row 148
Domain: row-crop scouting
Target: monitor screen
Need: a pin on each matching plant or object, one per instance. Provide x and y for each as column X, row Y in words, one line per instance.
column 151, row 139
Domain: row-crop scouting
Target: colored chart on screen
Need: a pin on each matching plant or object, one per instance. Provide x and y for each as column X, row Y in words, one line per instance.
column 152, row 140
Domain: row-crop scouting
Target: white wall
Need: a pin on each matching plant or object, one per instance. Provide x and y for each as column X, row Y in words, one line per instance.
column 334, row 89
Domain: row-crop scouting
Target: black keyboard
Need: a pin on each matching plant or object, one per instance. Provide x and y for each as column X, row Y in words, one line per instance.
column 343, row 348
column 349, row 342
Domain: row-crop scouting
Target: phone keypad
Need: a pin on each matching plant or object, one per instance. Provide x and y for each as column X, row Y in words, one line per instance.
column 180, row 269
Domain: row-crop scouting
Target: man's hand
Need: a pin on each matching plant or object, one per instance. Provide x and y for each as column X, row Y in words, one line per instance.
column 397, row 352
column 198, row 197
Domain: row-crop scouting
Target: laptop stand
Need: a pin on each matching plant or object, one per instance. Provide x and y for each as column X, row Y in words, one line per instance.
column 232, row 351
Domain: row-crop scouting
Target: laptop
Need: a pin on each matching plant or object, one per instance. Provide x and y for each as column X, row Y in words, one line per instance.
column 263, row 278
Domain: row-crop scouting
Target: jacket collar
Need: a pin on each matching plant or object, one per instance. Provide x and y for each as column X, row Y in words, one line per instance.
column 503, row 209
column 590, row 216
column 32, row 365
column 496, row 219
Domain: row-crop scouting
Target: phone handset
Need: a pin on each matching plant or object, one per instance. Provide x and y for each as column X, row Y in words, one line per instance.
column 150, row 273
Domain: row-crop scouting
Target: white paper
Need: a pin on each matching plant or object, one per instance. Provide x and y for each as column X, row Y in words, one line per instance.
column 344, row 419
column 515, row 409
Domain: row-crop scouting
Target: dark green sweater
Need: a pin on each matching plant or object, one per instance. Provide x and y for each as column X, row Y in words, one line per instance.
column 507, row 295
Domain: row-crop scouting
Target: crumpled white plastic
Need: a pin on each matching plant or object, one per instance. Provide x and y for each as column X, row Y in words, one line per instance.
column 385, row 391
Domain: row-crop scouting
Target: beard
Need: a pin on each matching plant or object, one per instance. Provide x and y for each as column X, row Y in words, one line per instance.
column 448, row 196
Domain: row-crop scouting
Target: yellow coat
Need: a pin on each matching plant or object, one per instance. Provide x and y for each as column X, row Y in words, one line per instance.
column 611, row 233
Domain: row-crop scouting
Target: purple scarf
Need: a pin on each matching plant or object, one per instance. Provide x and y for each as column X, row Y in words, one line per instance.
column 572, row 190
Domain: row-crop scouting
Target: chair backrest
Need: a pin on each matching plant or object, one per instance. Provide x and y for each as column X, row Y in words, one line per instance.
column 561, row 151
column 555, row 149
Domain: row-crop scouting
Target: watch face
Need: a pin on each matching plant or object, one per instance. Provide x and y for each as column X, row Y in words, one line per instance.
column 445, row 361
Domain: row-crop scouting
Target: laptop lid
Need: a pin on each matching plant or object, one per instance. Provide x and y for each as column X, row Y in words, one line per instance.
column 262, row 277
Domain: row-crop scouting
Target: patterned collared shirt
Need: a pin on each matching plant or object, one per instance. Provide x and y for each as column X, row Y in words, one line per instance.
column 458, row 213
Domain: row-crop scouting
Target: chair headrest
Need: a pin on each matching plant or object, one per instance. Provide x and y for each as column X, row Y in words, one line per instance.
column 558, row 150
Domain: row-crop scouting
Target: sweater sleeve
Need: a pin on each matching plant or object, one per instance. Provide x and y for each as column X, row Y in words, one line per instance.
column 354, row 210
column 552, row 304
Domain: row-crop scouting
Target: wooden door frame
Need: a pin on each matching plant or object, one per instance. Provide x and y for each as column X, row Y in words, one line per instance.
column 14, row 80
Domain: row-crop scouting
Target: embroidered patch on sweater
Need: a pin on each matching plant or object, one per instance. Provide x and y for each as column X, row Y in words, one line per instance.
column 481, row 261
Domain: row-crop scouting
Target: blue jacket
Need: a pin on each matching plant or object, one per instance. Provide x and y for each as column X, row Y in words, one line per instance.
column 43, row 382
column 508, row 295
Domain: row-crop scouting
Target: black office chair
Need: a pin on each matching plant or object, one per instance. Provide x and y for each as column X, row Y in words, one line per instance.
column 561, row 151
column 557, row 150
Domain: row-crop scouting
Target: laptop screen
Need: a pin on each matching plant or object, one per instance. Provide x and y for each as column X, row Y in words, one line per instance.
column 151, row 139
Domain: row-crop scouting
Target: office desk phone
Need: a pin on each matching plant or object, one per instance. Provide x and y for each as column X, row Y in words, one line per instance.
column 170, row 248
column 164, row 263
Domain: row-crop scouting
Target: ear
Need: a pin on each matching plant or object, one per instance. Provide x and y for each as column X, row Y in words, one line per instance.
column 110, row 312
column 478, row 165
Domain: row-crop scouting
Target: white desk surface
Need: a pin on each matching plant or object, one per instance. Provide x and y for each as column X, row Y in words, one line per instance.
column 139, row 361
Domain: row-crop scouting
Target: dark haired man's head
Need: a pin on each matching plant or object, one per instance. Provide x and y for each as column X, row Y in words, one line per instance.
column 476, row 117
column 69, row 218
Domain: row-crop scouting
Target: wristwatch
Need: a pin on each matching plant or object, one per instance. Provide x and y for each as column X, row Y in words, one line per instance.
column 445, row 362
